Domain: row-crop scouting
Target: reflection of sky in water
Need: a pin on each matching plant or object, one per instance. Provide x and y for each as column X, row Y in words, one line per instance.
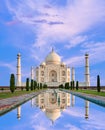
column 72, row 118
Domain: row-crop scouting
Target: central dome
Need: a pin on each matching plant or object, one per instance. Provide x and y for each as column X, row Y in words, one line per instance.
column 53, row 58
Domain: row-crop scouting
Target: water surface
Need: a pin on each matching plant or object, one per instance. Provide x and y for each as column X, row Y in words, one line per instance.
column 55, row 110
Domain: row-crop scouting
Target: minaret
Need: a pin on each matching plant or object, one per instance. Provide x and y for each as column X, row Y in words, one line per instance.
column 32, row 102
column 70, row 99
column 18, row 69
column 87, row 75
column 73, row 74
column 86, row 109
column 32, row 72
column 19, row 112
column 73, row 100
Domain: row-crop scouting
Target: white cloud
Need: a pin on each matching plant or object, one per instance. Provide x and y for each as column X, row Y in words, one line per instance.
column 96, row 51
column 76, row 40
column 75, row 61
column 96, row 121
column 10, row 66
column 71, row 127
column 68, row 21
column 41, row 124
column 73, row 112
column 53, row 24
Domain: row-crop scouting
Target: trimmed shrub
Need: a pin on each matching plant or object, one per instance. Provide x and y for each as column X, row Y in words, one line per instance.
column 98, row 84
column 73, row 84
column 12, row 83
column 32, row 84
column 61, row 86
column 40, row 85
column 35, row 85
column 67, row 85
column 45, row 86
column 27, row 84
column 77, row 85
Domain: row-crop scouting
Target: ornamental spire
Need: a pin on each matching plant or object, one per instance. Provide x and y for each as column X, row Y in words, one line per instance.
column 52, row 49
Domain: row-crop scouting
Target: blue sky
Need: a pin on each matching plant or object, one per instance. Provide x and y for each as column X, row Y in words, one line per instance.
column 72, row 27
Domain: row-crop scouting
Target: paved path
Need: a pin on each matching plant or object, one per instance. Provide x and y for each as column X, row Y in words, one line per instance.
column 10, row 103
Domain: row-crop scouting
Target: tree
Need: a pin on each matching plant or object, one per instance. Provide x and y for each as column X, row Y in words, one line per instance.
column 27, row 84
column 61, row 86
column 32, row 84
column 67, row 85
column 12, row 83
column 40, row 85
column 77, row 85
column 35, row 85
column 98, row 83
column 45, row 86
column 73, row 84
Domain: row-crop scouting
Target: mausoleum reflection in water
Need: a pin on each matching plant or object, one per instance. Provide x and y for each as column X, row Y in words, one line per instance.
column 55, row 110
column 53, row 103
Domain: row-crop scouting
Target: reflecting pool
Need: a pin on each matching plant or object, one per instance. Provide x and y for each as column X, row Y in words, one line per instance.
column 55, row 110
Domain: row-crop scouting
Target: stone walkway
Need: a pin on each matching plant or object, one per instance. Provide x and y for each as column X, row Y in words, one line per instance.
column 11, row 103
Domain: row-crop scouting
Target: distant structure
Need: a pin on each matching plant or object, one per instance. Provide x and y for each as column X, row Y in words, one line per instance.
column 18, row 82
column 87, row 75
column 32, row 72
column 53, row 71
column 73, row 74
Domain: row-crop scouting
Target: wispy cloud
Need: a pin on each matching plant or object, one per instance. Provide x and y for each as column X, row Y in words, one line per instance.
column 10, row 66
column 96, row 51
column 69, row 20
column 10, row 23
column 71, row 127
column 52, row 24
column 74, row 60
column 76, row 40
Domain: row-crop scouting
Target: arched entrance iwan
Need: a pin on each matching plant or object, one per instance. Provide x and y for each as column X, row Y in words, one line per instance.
column 53, row 76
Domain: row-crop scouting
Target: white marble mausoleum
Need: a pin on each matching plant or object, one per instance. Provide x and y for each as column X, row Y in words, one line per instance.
column 52, row 71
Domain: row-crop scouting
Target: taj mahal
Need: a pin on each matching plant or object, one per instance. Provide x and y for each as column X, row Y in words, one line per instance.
column 53, row 72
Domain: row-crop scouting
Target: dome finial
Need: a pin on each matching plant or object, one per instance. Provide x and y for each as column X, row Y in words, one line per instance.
column 52, row 49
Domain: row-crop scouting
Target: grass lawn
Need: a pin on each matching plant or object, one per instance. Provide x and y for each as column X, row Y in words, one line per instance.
column 16, row 93
column 93, row 92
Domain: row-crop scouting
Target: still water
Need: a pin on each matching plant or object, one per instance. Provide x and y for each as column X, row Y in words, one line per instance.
column 55, row 110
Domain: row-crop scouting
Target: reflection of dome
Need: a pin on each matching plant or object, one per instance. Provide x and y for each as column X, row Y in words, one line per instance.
column 53, row 58
column 43, row 109
column 53, row 114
